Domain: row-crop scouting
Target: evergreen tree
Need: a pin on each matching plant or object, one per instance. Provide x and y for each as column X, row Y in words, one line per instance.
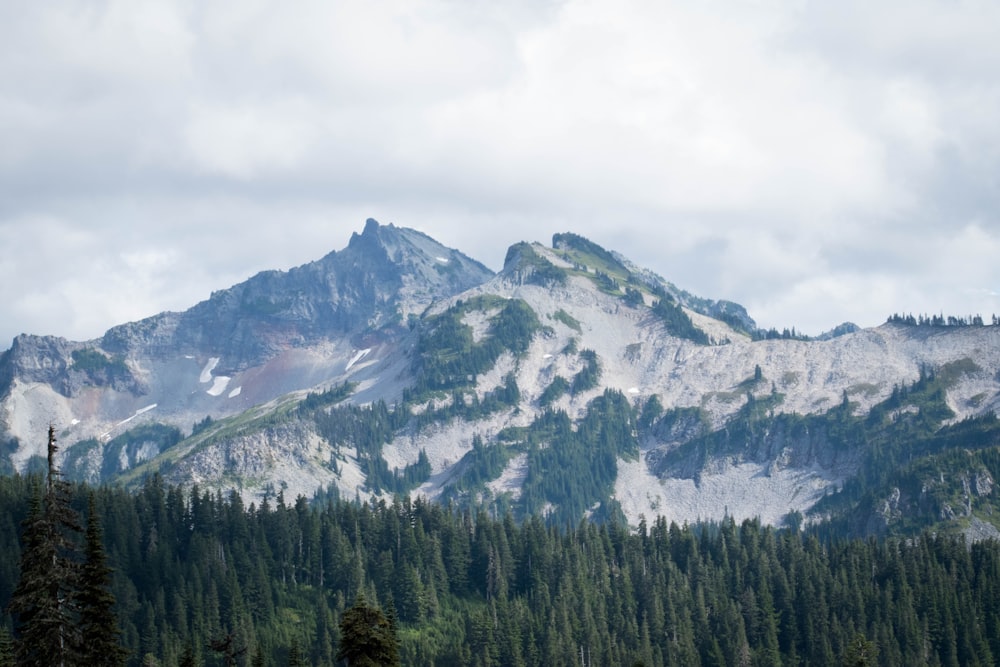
column 228, row 647
column 188, row 658
column 295, row 657
column 98, row 622
column 45, row 600
column 6, row 648
column 860, row 652
column 368, row 637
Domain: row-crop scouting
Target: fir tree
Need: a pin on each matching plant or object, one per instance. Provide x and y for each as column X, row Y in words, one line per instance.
column 98, row 622
column 6, row 648
column 45, row 600
column 368, row 637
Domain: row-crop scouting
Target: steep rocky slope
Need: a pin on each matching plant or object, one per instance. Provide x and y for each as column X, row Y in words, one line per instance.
column 398, row 365
column 276, row 333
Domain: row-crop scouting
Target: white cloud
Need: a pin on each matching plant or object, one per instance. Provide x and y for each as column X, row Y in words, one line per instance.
column 818, row 162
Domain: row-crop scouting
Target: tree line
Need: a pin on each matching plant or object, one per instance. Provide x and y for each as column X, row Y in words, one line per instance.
column 196, row 578
column 940, row 320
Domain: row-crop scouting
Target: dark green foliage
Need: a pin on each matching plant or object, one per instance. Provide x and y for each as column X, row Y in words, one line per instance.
column 678, row 323
column 861, row 652
column 567, row 319
column 468, row 406
column 752, row 432
column 589, row 375
column 554, row 391
column 574, row 243
column 6, row 647
column 45, row 602
column 606, row 283
column 331, row 396
column 939, row 320
column 774, row 334
column 367, row 637
column 229, row 648
column 6, row 449
column 480, row 465
column 571, row 472
column 98, row 623
column 652, row 410
column 633, row 297
column 533, row 268
column 367, row 429
column 906, row 448
column 447, row 357
column 204, row 424
column 279, row 579
column 95, row 363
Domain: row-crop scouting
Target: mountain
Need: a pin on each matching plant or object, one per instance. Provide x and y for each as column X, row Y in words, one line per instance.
column 276, row 333
column 570, row 384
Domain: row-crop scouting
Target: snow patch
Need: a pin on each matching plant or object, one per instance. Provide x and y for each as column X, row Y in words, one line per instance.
column 219, row 385
column 361, row 354
column 633, row 390
column 105, row 436
column 235, row 392
column 443, row 260
column 206, row 372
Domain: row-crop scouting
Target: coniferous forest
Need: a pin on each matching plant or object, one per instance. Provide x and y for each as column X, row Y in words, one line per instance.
column 200, row 579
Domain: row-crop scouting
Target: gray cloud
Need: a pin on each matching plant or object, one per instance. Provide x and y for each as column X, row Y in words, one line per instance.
column 817, row 162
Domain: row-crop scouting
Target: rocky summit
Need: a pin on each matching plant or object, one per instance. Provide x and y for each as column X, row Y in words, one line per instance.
column 571, row 384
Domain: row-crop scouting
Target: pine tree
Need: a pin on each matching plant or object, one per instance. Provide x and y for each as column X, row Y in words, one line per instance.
column 368, row 638
column 98, row 622
column 44, row 601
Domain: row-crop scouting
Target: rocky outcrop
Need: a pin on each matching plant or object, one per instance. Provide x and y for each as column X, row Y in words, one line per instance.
column 384, row 274
column 66, row 366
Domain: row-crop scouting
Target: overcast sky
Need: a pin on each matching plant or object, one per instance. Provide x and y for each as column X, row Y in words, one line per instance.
column 818, row 162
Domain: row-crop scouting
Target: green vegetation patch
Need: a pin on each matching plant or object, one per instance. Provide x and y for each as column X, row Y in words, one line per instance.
column 864, row 389
column 567, row 319
column 582, row 251
column 552, row 393
column 570, row 471
column 536, row 269
column 587, row 377
column 678, row 323
column 447, row 357
column 97, row 365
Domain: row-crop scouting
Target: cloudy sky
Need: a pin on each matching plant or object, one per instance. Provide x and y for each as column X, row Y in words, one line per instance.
column 815, row 161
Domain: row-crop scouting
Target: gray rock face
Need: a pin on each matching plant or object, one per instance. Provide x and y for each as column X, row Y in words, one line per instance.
column 383, row 275
column 65, row 365
column 277, row 332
